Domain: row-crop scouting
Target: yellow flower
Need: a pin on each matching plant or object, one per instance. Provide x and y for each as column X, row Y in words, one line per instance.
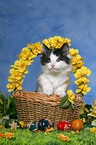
column 24, row 54
column 15, row 73
column 29, row 59
column 86, row 110
column 94, row 111
column 58, row 45
column 76, row 66
column 82, row 71
column 85, row 71
column 51, row 40
column 93, row 130
column 25, row 49
column 81, row 80
column 32, row 47
column 26, row 71
column 27, row 56
column 91, row 110
column 20, row 65
column 46, row 42
column 84, row 120
column 14, row 85
column 73, row 51
column 94, row 102
column 71, row 96
column 93, row 106
column 76, row 59
column 67, row 40
column 11, row 87
column 83, row 88
column 59, row 41
column 50, row 43
column 56, row 42
column 36, row 48
column 14, row 79
column 19, row 87
column 3, row 117
column 78, row 73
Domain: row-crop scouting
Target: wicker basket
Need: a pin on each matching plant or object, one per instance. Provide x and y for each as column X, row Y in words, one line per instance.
column 33, row 106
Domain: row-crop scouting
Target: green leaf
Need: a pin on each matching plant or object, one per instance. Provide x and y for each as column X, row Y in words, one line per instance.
column 3, row 103
column 11, row 107
column 64, row 102
column 9, row 101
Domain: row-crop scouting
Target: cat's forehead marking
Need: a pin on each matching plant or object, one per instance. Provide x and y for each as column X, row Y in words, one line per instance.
column 53, row 57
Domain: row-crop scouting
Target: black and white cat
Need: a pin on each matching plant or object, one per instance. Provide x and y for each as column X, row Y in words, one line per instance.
column 56, row 68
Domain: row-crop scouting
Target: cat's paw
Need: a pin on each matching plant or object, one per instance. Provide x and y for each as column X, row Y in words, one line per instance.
column 48, row 91
column 60, row 93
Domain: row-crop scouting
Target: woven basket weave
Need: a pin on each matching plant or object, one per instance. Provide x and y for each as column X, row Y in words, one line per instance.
column 33, row 106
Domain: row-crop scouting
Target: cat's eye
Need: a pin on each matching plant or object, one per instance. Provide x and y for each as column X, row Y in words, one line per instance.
column 58, row 60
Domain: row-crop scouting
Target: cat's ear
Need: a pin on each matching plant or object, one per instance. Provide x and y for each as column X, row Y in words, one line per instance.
column 65, row 49
column 44, row 49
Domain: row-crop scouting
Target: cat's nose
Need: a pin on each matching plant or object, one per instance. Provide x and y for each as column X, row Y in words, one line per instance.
column 52, row 65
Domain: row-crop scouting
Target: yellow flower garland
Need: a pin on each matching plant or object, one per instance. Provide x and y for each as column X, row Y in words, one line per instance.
column 32, row 50
column 80, row 72
column 20, row 66
column 56, row 42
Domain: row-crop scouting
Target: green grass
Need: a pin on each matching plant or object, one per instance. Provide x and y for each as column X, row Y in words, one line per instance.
column 25, row 137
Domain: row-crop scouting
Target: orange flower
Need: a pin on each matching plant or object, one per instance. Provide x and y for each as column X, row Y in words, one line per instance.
column 1, row 134
column 1, row 126
column 72, row 132
column 9, row 135
column 63, row 138
column 77, row 131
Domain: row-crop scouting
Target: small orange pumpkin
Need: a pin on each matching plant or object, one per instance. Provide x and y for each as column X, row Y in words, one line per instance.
column 77, row 124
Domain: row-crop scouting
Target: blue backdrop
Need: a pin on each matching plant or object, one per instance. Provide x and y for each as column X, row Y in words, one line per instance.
column 31, row 21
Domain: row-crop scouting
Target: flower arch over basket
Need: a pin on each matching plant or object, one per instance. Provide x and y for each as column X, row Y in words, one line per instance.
column 19, row 69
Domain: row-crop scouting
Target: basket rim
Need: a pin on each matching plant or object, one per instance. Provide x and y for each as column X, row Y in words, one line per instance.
column 38, row 96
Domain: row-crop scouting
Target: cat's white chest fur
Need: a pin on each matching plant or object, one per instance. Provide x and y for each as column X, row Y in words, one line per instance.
column 54, row 80
column 57, row 79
